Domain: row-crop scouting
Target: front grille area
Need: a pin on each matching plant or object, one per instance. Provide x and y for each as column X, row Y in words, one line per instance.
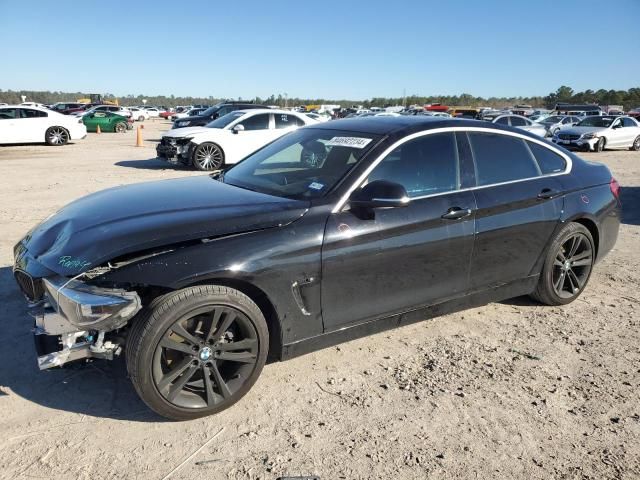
column 32, row 288
column 567, row 136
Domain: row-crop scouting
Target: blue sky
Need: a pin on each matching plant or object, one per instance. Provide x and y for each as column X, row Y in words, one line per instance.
column 321, row 48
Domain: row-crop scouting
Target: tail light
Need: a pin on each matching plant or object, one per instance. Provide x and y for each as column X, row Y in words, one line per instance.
column 615, row 188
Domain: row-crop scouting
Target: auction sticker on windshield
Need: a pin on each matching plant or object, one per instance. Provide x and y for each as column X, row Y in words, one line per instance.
column 353, row 142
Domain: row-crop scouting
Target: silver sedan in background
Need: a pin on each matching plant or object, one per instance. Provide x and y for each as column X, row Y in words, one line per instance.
column 522, row 123
column 555, row 123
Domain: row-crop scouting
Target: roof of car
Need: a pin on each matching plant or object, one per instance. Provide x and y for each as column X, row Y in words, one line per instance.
column 384, row 125
column 255, row 111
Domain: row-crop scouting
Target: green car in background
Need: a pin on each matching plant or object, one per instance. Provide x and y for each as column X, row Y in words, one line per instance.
column 108, row 121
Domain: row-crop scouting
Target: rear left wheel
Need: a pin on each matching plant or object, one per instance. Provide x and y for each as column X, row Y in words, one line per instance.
column 56, row 136
column 567, row 267
column 197, row 351
column 120, row 127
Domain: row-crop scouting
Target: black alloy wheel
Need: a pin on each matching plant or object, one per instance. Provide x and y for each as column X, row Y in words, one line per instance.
column 567, row 266
column 205, row 357
column 208, row 156
column 572, row 265
column 56, row 136
column 197, row 351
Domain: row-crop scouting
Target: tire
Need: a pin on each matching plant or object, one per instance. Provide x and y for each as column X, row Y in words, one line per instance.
column 56, row 136
column 567, row 266
column 600, row 145
column 141, row 118
column 120, row 127
column 207, row 156
column 635, row 147
column 194, row 329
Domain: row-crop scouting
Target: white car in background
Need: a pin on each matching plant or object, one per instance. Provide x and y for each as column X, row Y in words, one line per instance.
column 139, row 114
column 24, row 124
column 228, row 139
column 152, row 111
column 595, row 133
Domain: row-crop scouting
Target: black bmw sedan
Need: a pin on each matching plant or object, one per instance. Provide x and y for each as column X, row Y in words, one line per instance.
column 332, row 232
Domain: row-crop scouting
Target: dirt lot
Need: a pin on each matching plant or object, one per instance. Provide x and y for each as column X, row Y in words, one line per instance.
column 509, row 390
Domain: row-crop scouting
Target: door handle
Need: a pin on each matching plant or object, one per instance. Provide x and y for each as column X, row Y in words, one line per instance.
column 547, row 193
column 455, row 213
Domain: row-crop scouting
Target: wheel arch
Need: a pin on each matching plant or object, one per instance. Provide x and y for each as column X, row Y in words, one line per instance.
column 264, row 303
column 590, row 225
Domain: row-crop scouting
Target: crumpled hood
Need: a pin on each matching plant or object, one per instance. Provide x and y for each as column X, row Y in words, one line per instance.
column 185, row 132
column 129, row 219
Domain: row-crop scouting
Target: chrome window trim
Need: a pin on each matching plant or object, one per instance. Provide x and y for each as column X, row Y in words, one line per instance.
column 345, row 198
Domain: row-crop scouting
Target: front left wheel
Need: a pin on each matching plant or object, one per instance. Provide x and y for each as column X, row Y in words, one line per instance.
column 208, row 156
column 120, row 127
column 636, row 144
column 197, row 351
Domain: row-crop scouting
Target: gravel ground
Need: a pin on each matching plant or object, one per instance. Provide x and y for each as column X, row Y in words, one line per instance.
column 509, row 390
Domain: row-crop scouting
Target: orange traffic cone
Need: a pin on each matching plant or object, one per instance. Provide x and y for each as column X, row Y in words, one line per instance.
column 139, row 142
column 98, row 129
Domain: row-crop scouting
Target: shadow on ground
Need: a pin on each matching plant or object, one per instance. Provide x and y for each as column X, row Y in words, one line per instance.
column 150, row 164
column 99, row 388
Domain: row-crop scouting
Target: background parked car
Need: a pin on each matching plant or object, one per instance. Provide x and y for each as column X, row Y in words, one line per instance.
column 195, row 111
column 139, row 114
column 67, row 108
column 108, row 122
column 152, row 111
column 122, row 111
column 599, row 132
column 21, row 124
column 634, row 112
column 521, row 123
column 555, row 123
column 211, row 113
column 230, row 138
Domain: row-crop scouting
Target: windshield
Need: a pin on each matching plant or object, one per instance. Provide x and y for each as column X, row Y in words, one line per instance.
column 304, row 164
column 225, row 120
column 596, row 122
column 210, row 111
column 554, row 119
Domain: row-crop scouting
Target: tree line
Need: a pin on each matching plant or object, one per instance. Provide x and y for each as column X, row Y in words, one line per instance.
column 628, row 98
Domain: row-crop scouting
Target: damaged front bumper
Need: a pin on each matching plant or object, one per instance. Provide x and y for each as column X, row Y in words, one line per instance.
column 73, row 319
column 173, row 151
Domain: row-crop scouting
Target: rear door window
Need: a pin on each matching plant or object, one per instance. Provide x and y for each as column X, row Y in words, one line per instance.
column 28, row 113
column 256, row 122
column 503, row 121
column 518, row 122
column 501, row 158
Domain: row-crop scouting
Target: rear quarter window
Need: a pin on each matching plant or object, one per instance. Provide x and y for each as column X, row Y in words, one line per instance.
column 549, row 161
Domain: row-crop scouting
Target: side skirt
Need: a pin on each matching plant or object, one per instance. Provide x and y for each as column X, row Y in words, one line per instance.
column 503, row 292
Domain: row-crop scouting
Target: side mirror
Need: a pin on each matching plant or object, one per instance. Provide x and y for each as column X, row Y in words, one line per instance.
column 238, row 128
column 379, row 194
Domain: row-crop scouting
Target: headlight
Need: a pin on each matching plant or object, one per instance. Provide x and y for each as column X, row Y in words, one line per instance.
column 183, row 140
column 589, row 135
column 89, row 307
